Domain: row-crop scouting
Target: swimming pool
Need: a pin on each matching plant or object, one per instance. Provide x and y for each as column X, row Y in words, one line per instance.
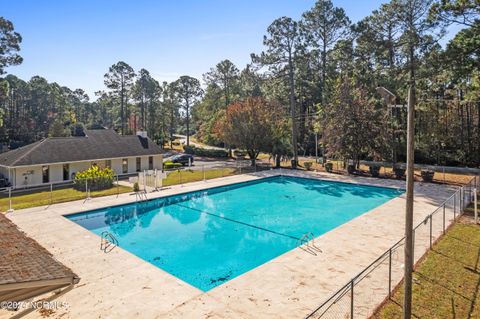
column 208, row 237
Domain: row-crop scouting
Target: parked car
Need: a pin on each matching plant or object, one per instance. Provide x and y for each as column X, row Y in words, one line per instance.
column 4, row 182
column 182, row 159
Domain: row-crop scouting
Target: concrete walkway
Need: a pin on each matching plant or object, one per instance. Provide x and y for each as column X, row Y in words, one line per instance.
column 121, row 285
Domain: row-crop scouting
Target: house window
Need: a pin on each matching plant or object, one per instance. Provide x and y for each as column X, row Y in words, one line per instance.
column 150, row 162
column 108, row 163
column 45, row 174
column 139, row 164
column 66, row 172
column 125, row 165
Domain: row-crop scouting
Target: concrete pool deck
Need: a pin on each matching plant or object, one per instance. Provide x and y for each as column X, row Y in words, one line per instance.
column 121, row 285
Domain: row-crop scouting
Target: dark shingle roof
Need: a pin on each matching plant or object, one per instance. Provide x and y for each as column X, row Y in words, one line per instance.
column 23, row 260
column 97, row 144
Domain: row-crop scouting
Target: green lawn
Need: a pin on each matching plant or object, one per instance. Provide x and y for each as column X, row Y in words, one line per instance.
column 446, row 283
column 187, row 175
column 58, row 196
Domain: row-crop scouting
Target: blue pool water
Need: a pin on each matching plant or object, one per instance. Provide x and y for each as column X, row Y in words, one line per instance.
column 208, row 237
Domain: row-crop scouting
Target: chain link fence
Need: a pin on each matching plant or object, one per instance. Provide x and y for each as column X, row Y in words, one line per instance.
column 86, row 189
column 211, row 171
column 54, row 193
column 361, row 295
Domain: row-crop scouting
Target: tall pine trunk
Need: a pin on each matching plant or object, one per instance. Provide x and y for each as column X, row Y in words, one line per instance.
column 292, row 106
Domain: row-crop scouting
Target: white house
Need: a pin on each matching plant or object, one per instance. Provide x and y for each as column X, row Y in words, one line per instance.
column 57, row 159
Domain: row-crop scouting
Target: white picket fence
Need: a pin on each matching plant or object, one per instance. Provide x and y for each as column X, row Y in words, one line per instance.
column 149, row 180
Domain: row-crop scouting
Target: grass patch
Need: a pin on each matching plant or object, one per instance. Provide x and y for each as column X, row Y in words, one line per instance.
column 446, row 283
column 189, row 175
column 57, row 196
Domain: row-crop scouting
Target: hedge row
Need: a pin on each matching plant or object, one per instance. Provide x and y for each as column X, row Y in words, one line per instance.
column 204, row 151
column 171, row 165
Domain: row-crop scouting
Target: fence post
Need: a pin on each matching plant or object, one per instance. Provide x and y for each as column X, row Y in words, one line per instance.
column 454, row 204
column 10, row 209
column 475, row 203
column 155, row 179
column 118, row 187
column 203, row 170
column 444, row 217
column 460, row 204
column 145, row 181
column 351, row 299
column 86, row 188
column 51, row 193
column 390, row 273
column 431, row 217
column 462, row 198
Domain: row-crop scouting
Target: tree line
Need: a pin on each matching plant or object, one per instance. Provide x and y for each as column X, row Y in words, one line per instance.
column 318, row 76
column 34, row 109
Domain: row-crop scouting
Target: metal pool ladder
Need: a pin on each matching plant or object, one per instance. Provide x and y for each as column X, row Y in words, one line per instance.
column 108, row 241
column 307, row 243
column 141, row 196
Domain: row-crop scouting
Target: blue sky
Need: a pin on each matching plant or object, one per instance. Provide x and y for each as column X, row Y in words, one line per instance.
column 74, row 42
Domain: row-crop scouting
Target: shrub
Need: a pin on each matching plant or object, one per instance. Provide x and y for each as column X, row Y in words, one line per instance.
column 351, row 169
column 206, row 152
column 399, row 172
column 95, row 177
column 427, row 175
column 136, row 188
column 374, row 170
column 189, row 149
column 329, row 167
column 171, row 165
column 308, row 165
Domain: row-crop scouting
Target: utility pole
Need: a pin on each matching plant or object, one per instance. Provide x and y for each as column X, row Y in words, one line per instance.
column 409, row 243
column 409, row 258
column 292, row 106
column 390, row 99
